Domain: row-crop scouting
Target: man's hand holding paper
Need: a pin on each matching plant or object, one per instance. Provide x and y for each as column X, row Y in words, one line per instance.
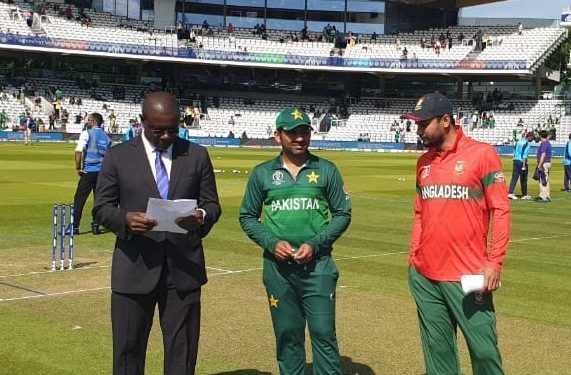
column 191, row 222
column 175, row 216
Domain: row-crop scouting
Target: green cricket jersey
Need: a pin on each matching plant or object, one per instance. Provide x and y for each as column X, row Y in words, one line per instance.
column 313, row 209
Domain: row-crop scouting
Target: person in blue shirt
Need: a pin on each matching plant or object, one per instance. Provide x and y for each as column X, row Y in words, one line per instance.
column 183, row 133
column 544, row 154
column 91, row 148
column 567, row 165
column 130, row 133
column 520, row 168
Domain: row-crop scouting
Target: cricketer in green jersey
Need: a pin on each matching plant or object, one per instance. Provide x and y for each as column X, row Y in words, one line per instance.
column 295, row 206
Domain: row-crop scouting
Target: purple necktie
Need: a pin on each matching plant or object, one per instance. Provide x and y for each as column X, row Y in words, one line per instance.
column 162, row 176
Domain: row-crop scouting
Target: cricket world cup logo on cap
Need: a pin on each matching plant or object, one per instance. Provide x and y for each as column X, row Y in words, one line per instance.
column 278, row 178
column 419, row 105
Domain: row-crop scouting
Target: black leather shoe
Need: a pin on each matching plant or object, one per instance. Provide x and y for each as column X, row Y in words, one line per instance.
column 95, row 228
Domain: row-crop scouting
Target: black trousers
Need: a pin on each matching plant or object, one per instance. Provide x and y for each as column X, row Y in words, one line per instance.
column 131, row 321
column 519, row 174
column 85, row 186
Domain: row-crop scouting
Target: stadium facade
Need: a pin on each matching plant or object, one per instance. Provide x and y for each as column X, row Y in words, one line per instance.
column 356, row 16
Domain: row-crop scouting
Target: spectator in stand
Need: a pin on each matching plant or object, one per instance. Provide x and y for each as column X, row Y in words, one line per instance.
column 423, row 42
column 188, row 116
column 58, row 93
column 30, row 18
column 520, row 29
column 520, row 167
column 113, row 122
column 51, row 122
column 68, row 12
column 57, row 109
column 374, row 36
column 230, row 28
column 544, row 154
column 3, row 119
column 196, row 117
column 231, row 134
column 520, row 122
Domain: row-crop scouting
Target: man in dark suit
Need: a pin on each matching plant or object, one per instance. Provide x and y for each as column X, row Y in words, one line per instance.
column 151, row 267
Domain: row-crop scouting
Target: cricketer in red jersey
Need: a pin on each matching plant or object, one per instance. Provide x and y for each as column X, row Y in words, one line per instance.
column 461, row 191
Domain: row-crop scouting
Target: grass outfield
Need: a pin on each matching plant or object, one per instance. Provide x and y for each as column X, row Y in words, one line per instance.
column 58, row 323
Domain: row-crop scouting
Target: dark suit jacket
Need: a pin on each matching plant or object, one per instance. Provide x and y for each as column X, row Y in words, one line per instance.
column 125, row 184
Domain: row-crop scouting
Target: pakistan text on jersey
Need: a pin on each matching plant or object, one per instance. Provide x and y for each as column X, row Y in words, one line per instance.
column 445, row 192
column 295, row 204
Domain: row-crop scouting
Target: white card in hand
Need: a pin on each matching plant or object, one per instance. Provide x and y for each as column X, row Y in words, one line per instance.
column 165, row 212
column 472, row 283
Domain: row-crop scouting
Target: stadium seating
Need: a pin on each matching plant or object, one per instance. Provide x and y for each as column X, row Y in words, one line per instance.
column 506, row 48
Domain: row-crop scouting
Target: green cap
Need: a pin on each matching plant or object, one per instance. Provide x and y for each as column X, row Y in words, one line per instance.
column 291, row 118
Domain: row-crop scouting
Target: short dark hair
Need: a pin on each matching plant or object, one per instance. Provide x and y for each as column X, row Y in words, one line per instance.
column 543, row 134
column 97, row 117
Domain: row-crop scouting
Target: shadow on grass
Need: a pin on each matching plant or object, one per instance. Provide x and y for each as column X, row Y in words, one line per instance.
column 244, row 372
column 349, row 368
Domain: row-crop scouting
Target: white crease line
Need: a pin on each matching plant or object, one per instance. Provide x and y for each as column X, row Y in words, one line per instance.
column 54, row 272
column 230, row 272
column 540, row 238
column 53, row 294
column 227, row 272
column 219, row 269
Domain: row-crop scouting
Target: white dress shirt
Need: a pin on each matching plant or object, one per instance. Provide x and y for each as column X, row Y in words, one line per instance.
column 166, row 156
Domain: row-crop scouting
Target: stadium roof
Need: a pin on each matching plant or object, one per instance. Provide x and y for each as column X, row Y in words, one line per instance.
column 447, row 4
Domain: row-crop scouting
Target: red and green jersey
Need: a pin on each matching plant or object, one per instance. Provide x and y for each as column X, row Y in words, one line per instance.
column 460, row 192
column 314, row 208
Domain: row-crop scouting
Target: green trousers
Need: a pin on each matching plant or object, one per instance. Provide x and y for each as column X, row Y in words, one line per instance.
column 442, row 307
column 298, row 294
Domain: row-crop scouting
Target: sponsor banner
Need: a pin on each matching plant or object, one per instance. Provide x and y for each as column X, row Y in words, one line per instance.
column 262, row 58
column 380, row 146
column 217, row 142
column 19, row 136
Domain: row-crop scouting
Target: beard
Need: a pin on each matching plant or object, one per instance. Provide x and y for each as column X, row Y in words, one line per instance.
column 433, row 142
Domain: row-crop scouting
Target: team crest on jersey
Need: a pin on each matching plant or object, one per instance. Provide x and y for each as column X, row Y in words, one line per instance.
column 278, row 178
column 459, row 167
column 499, row 177
column 425, row 172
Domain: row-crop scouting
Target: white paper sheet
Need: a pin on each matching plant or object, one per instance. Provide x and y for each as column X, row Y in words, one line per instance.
column 472, row 283
column 166, row 211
